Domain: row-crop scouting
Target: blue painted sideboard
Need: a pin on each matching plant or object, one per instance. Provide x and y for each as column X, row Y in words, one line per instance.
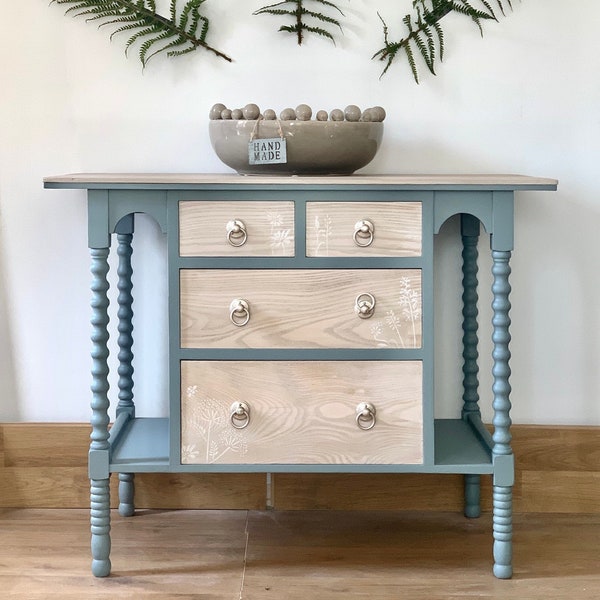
column 301, row 333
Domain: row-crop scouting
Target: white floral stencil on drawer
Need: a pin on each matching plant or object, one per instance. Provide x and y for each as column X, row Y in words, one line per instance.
column 322, row 232
column 281, row 236
column 331, row 225
column 269, row 227
column 401, row 328
column 301, row 412
column 208, row 421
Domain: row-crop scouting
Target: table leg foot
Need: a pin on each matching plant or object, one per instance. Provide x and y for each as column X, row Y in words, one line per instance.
column 503, row 532
column 100, row 526
column 472, row 496
column 126, row 494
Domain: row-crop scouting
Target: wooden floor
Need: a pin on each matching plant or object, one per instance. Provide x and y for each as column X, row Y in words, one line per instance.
column 296, row 555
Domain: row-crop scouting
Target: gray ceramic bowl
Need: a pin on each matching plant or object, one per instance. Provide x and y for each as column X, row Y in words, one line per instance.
column 313, row 147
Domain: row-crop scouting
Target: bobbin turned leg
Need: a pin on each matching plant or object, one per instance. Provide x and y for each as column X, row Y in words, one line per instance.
column 470, row 236
column 503, row 531
column 100, row 525
column 126, row 494
column 99, row 446
column 502, row 452
column 124, row 231
column 472, row 485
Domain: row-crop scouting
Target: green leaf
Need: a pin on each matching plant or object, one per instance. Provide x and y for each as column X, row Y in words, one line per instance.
column 425, row 34
column 302, row 17
column 411, row 62
column 140, row 18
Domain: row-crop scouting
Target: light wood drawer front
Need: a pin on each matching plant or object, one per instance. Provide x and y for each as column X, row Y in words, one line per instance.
column 203, row 228
column 301, row 412
column 330, row 227
column 300, row 308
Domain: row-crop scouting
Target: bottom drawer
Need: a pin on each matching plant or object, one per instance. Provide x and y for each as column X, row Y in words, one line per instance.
column 301, row 412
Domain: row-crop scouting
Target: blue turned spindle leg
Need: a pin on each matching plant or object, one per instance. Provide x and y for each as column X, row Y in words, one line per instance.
column 100, row 522
column 99, row 447
column 470, row 237
column 502, row 452
column 125, row 341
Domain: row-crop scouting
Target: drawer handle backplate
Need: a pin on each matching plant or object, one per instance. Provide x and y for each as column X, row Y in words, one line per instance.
column 364, row 305
column 364, row 233
column 239, row 415
column 365, row 416
column 239, row 312
column 236, row 233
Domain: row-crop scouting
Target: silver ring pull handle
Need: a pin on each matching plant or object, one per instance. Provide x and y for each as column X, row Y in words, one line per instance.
column 239, row 415
column 239, row 312
column 236, row 233
column 364, row 233
column 364, row 305
column 365, row 416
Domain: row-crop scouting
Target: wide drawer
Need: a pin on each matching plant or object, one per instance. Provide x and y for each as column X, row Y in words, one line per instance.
column 236, row 228
column 301, row 412
column 305, row 308
column 363, row 228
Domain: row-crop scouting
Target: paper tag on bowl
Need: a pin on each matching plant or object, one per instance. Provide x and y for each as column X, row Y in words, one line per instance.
column 268, row 151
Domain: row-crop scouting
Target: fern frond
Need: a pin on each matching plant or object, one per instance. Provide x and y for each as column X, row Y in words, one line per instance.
column 276, row 11
column 78, row 6
column 266, row 8
column 440, row 35
column 331, row 5
column 180, row 52
column 425, row 33
column 166, row 48
column 299, row 13
column 430, row 48
column 422, row 47
column 140, row 34
column 501, row 6
column 123, row 28
column 490, row 9
column 463, row 7
column 204, row 29
column 388, row 52
column 148, row 44
column 141, row 18
column 321, row 17
column 411, row 61
column 123, row 19
column 466, row 8
column 300, row 28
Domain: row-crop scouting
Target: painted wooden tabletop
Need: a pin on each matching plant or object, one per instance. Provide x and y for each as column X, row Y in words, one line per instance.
column 452, row 181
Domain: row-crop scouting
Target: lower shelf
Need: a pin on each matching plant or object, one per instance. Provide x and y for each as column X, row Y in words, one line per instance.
column 458, row 446
column 143, row 446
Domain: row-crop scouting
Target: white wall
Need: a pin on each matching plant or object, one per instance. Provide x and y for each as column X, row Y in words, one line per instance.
column 525, row 99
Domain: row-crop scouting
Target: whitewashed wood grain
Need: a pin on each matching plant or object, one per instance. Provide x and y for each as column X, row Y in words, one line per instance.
column 330, row 228
column 269, row 226
column 301, row 412
column 463, row 181
column 305, row 308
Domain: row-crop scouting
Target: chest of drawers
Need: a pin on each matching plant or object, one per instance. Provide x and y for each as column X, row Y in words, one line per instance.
column 300, row 331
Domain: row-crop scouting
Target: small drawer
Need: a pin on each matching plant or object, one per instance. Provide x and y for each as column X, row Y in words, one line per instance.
column 304, row 308
column 332, row 412
column 363, row 228
column 235, row 228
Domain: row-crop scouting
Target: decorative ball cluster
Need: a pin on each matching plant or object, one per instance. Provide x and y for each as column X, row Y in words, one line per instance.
column 302, row 112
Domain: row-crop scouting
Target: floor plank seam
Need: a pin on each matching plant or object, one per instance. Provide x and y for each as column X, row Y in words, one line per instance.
column 241, row 596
